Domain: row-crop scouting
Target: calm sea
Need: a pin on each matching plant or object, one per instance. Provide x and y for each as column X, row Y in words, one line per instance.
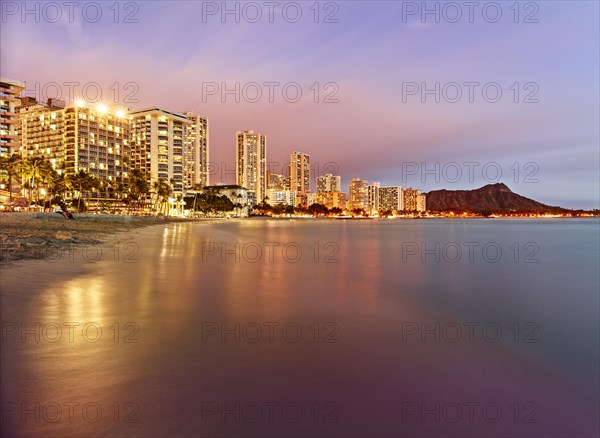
column 276, row 328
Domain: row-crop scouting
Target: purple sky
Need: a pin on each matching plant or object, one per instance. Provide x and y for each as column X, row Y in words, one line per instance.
column 173, row 52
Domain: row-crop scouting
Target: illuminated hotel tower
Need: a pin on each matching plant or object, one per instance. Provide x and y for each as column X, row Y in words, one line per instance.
column 157, row 143
column 300, row 176
column 10, row 99
column 251, row 163
column 93, row 138
column 358, row 194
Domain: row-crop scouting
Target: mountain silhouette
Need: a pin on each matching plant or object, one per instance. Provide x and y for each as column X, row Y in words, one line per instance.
column 492, row 197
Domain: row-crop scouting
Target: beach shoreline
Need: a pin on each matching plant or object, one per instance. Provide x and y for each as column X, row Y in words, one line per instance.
column 29, row 236
column 36, row 236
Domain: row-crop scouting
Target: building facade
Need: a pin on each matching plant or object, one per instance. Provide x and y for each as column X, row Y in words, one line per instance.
column 195, row 152
column 251, row 163
column 277, row 181
column 300, row 176
column 282, row 197
column 10, row 100
column 414, row 200
column 373, row 198
column 157, row 145
column 357, row 194
column 422, row 202
column 329, row 183
column 391, row 199
column 77, row 137
column 332, row 199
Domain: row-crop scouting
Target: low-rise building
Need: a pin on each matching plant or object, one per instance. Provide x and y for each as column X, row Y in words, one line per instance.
column 282, row 197
column 238, row 195
column 332, row 199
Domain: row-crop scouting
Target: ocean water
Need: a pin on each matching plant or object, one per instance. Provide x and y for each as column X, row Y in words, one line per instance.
column 273, row 328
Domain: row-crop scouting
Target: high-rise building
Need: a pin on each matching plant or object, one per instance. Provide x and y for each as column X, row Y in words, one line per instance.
column 357, row 194
column 373, row 197
column 422, row 202
column 329, row 183
column 300, row 176
column 251, row 163
column 413, row 199
column 10, row 100
column 43, row 133
column 157, row 145
column 328, row 191
column 390, row 198
column 78, row 137
column 108, row 141
column 195, row 152
column 278, row 181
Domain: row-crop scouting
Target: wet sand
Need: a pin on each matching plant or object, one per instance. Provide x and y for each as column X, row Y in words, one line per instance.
column 36, row 235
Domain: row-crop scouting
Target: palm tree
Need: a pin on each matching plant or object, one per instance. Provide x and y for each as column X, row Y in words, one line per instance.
column 30, row 169
column 82, row 181
column 118, row 188
column 159, row 187
column 57, row 184
column 137, row 185
column 35, row 172
column 179, row 204
column 10, row 166
column 238, row 205
column 165, row 193
column 46, row 174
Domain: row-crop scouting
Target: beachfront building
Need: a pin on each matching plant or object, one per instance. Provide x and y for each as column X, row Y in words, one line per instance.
column 282, row 197
column 357, row 194
column 331, row 199
column 10, row 100
column 329, row 183
column 300, row 176
column 237, row 194
column 421, row 202
column 157, row 145
column 413, row 199
column 251, row 163
column 195, row 151
column 391, row 199
column 93, row 138
column 373, row 197
column 328, row 191
column 43, row 132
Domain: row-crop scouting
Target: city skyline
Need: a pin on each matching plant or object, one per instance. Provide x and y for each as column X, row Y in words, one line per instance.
column 557, row 135
column 182, row 138
column 142, row 135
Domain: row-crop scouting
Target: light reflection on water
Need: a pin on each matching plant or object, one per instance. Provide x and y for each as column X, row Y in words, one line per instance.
column 176, row 370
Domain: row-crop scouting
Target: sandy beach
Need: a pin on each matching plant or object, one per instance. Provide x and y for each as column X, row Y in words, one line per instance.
column 27, row 235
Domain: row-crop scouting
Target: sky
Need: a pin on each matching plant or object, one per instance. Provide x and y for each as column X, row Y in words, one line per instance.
column 431, row 95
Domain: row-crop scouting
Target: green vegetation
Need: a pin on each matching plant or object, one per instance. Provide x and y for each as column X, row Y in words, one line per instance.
column 210, row 202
